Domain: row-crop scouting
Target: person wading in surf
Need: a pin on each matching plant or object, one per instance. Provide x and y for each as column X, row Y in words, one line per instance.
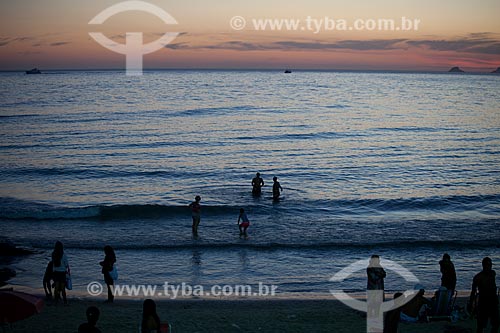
column 196, row 214
column 257, row 184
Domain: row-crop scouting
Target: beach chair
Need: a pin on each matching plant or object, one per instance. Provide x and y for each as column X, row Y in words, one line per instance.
column 443, row 304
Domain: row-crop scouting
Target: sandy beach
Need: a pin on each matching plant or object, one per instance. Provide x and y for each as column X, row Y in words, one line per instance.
column 222, row 316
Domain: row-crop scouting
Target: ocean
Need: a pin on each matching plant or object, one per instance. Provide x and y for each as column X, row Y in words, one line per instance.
column 404, row 165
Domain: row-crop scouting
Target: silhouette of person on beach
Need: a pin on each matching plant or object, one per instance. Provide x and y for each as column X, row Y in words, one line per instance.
column 92, row 318
column 416, row 309
column 376, row 274
column 391, row 320
column 60, row 267
column 277, row 189
column 150, row 320
column 375, row 290
column 107, row 267
column 245, row 222
column 47, row 280
column 257, row 184
column 196, row 214
column 449, row 276
column 484, row 284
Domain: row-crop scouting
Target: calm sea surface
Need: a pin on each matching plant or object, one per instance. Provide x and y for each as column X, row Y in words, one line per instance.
column 403, row 165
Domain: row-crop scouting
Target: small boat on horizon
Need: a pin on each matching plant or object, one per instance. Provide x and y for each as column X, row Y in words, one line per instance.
column 34, row 71
column 287, row 71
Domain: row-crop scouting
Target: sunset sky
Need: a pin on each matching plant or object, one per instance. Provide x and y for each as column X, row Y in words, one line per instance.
column 53, row 34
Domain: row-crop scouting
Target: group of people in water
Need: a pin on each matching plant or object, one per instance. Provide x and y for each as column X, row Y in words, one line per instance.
column 483, row 299
column 257, row 184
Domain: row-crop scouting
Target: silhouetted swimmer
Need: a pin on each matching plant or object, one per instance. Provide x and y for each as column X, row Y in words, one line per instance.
column 257, row 184
column 60, row 267
column 107, row 266
column 92, row 318
column 487, row 307
column 277, row 189
column 449, row 276
column 196, row 214
column 47, row 280
column 245, row 222
column 150, row 320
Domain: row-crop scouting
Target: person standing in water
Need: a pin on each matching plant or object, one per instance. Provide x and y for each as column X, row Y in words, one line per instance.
column 245, row 222
column 257, row 184
column 277, row 189
column 60, row 267
column 449, row 276
column 107, row 266
column 196, row 214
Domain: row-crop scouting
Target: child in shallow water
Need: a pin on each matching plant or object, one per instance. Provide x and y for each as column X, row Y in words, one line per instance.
column 244, row 222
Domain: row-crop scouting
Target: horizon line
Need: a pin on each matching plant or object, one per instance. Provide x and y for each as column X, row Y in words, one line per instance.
column 258, row 69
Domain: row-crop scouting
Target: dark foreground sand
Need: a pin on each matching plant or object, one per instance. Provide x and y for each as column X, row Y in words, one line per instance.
column 222, row 316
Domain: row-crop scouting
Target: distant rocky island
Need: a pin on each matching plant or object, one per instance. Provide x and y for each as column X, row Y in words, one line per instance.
column 456, row 70
column 497, row 71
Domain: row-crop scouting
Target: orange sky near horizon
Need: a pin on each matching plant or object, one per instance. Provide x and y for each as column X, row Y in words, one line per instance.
column 53, row 34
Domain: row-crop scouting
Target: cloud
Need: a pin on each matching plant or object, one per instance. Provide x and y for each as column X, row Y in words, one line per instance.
column 146, row 35
column 36, row 41
column 240, row 46
column 363, row 45
column 183, row 33
column 119, row 36
column 8, row 40
column 382, row 44
column 483, row 43
column 493, row 48
column 59, row 43
column 177, row 46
